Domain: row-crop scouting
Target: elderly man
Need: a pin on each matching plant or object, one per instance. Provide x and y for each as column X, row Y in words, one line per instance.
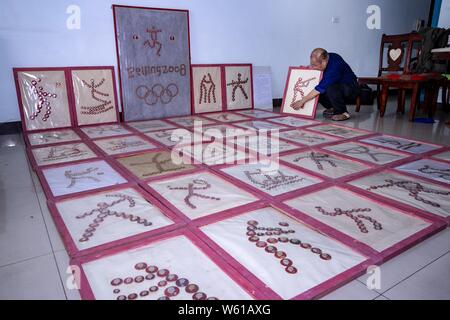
column 339, row 85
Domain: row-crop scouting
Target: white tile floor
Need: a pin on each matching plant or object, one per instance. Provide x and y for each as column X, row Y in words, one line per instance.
column 33, row 261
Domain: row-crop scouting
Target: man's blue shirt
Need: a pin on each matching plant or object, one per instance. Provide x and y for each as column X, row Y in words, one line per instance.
column 337, row 71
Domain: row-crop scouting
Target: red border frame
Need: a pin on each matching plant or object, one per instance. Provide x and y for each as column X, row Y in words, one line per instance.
column 70, row 243
column 113, row 156
column 173, row 208
column 430, row 180
column 65, row 70
column 29, row 145
column 72, row 91
column 49, row 193
column 313, row 116
column 436, row 226
column 224, row 84
column 193, row 104
column 86, row 291
column 118, row 56
column 313, row 293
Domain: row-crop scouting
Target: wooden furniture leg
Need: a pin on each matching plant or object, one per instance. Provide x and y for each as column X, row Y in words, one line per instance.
column 401, row 101
column 358, row 103
column 414, row 96
column 383, row 99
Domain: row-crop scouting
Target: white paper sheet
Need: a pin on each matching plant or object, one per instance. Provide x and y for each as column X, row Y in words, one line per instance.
column 377, row 226
column 262, row 85
column 305, row 137
column 338, row 131
column 231, row 235
column 124, row 145
column 109, row 216
column 434, row 170
column 273, row 181
column 366, row 152
column 56, row 136
column 414, row 192
column 443, row 156
column 81, row 177
column 179, row 256
column 201, row 194
column 397, row 143
column 324, row 163
column 105, row 131
column 62, row 153
column 151, row 125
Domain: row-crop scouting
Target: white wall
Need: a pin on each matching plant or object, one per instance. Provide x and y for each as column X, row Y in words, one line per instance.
column 276, row 33
column 444, row 16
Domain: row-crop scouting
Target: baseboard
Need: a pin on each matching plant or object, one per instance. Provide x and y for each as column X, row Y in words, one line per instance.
column 10, row 127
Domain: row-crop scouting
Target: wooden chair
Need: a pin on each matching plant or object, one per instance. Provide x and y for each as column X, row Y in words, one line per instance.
column 398, row 51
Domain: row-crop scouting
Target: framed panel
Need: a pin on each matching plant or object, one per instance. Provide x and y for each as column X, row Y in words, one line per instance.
column 176, row 266
column 104, row 131
column 437, row 171
column 443, row 156
column 98, row 221
column 376, row 225
column 239, row 86
column 94, row 94
column 171, row 138
column 226, row 117
column 61, row 153
column 190, row 121
column 151, row 125
column 153, row 164
column 48, row 137
column 401, row 144
column 154, row 62
column 258, row 113
column 63, row 180
column 260, row 125
column 300, row 82
column 340, row 131
column 406, row 190
column 123, row 145
column 201, row 194
column 43, row 98
column 283, row 255
column 207, row 89
column 293, row 122
column 306, row 137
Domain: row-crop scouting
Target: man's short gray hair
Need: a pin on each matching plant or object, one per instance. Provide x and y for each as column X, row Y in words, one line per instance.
column 320, row 53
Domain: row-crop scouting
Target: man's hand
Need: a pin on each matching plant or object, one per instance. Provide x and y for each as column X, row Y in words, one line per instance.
column 299, row 104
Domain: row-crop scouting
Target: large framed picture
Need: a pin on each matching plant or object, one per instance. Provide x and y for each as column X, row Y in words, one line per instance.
column 153, row 55
column 300, row 82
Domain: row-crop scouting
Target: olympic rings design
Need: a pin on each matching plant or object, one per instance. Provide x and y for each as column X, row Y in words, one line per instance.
column 156, row 93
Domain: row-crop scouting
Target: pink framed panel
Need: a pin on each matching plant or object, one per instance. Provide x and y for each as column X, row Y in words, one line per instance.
column 70, row 243
column 93, row 132
column 341, row 131
column 52, row 137
column 431, row 226
column 41, row 89
column 259, row 113
column 189, row 121
column 429, row 166
column 61, row 154
column 115, row 172
column 403, row 157
column 173, row 137
column 294, row 121
column 369, row 167
column 313, row 184
column 150, row 125
column 299, row 86
column 420, row 210
column 236, row 202
column 124, row 145
column 208, row 94
column 307, row 138
column 417, row 147
column 261, row 124
column 94, row 95
column 172, row 170
column 226, row 117
column 316, row 291
column 236, row 79
column 86, row 290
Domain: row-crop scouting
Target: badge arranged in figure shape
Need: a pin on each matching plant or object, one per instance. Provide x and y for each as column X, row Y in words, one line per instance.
column 414, row 190
column 104, row 105
column 237, row 84
column 104, row 211
column 298, row 89
column 192, row 189
column 279, row 235
column 157, row 281
column 318, row 159
column 207, row 95
column 43, row 101
column 357, row 218
column 153, row 43
column 88, row 174
column 271, row 180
